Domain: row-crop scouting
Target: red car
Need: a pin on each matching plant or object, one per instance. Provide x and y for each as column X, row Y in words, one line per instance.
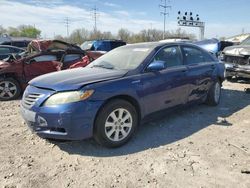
column 42, row 57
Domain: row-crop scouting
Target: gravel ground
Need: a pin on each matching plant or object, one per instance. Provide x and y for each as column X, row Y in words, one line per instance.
column 197, row 147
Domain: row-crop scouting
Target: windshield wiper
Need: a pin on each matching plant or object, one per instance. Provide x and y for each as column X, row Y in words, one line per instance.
column 104, row 66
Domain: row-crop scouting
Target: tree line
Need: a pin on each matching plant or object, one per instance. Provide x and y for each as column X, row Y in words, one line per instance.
column 21, row 31
column 78, row 36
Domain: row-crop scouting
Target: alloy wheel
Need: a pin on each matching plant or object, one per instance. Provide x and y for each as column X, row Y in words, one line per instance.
column 7, row 89
column 118, row 124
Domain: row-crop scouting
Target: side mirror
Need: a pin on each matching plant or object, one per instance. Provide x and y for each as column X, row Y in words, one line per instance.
column 156, row 66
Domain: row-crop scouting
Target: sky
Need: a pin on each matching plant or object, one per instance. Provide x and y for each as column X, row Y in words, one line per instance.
column 223, row 18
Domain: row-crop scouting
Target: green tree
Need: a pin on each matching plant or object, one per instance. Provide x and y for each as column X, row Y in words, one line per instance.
column 29, row 31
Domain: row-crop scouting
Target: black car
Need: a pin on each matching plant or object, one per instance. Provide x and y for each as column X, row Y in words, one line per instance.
column 20, row 43
column 6, row 51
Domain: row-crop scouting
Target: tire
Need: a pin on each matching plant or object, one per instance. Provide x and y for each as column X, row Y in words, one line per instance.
column 115, row 123
column 9, row 89
column 229, row 78
column 213, row 97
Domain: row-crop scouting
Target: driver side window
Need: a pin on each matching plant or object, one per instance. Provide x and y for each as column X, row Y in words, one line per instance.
column 44, row 58
column 171, row 56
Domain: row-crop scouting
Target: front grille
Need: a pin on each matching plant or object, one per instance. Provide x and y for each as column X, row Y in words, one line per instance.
column 30, row 99
column 237, row 60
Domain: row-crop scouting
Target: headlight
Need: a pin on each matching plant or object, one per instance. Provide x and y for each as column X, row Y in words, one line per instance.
column 68, row 97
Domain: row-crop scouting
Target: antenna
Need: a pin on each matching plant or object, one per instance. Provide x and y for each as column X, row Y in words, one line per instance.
column 165, row 12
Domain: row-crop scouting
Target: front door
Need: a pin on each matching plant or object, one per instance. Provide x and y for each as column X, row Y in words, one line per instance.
column 168, row 87
column 40, row 65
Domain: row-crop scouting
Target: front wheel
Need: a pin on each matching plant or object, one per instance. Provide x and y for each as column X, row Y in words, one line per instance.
column 213, row 97
column 115, row 123
column 9, row 89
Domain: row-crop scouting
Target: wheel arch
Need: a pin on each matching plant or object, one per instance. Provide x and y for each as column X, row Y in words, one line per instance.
column 127, row 98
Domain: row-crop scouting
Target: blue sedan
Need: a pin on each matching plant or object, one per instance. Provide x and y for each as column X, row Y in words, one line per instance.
column 108, row 98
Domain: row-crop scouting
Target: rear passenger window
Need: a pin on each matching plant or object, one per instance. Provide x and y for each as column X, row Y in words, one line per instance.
column 170, row 55
column 71, row 57
column 195, row 56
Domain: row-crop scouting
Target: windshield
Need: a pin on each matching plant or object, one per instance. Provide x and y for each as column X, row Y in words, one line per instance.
column 246, row 42
column 87, row 45
column 123, row 58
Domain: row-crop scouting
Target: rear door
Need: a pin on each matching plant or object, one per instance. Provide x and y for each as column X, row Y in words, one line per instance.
column 168, row 87
column 40, row 65
column 200, row 68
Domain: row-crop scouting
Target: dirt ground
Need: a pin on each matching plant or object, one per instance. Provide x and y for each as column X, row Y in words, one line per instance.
column 198, row 147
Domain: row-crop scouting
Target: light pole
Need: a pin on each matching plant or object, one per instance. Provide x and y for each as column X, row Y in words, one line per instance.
column 188, row 20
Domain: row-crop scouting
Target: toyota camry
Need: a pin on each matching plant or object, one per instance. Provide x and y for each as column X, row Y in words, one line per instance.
column 108, row 99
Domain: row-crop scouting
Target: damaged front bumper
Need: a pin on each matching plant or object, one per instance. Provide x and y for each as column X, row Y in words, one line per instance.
column 242, row 71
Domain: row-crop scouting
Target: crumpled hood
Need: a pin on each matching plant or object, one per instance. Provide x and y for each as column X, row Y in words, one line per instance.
column 44, row 45
column 211, row 45
column 240, row 50
column 75, row 78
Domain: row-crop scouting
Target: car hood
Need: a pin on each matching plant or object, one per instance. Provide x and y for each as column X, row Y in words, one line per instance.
column 240, row 50
column 45, row 45
column 75, row 78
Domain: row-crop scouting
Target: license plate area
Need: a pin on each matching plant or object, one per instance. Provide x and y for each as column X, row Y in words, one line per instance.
column 28, row 115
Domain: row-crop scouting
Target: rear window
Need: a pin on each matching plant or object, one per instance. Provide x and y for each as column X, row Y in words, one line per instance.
column 117, row 44
column 101, row 46
column 71, row 57
column 195, row 56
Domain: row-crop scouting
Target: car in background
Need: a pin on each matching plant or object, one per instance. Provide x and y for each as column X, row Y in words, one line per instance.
column 214, row 46
column 108, row 98
column 97, row 48
column 237, row 60
column 41, row 57
column 19, row 43
column 6, row 51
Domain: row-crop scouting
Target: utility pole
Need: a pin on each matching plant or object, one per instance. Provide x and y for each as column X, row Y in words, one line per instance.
column 67, row 25
column 95, row 14
column 164, row 13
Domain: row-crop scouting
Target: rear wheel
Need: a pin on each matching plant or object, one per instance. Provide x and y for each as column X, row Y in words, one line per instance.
column 214, row 94
column 9, row 89
column 115, row 123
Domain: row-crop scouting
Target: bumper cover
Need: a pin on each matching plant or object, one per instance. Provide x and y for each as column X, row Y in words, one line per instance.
column 72, row 121
column 237, row 70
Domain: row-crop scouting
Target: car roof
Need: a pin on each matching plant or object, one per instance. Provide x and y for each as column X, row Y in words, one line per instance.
column 157, row 44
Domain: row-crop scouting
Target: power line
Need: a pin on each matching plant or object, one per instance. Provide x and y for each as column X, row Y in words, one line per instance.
column 165, row 12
